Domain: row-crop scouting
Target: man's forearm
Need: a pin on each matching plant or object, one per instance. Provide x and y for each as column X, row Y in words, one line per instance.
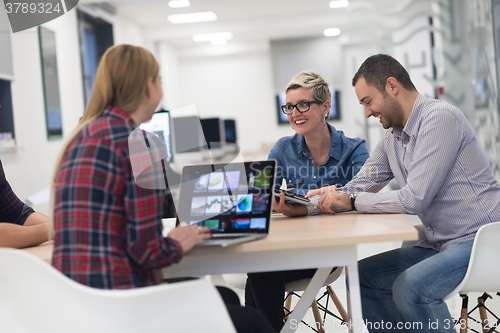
column 36, row 218
column 16, row 236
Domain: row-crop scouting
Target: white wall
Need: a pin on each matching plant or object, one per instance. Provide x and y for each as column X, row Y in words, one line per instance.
column 6, row 70
column 234, row 86
column 29, row 169
column 321, row 54
column 169, row 70
column 125, row 32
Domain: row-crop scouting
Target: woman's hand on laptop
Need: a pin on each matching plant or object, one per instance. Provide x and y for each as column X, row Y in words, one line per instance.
column 189, row 236
column 288, row 209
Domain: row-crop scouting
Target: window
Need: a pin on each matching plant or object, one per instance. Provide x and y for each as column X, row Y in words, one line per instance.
column 96, row 36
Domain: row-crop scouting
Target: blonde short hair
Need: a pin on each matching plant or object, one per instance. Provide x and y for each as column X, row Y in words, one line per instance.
column 313, row 81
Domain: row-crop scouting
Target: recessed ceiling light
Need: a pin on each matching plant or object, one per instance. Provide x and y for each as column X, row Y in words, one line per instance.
column 339, row 4
column 179, row 3
column 192, row 17
column 213, row 36
column 331, row 32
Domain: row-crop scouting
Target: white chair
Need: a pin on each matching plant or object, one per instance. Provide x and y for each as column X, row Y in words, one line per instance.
column 239, row 281
column 35, row 297
column 292, row 287
column 483, row 273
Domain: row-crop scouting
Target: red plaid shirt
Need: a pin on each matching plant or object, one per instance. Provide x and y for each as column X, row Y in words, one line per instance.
column 107, row 229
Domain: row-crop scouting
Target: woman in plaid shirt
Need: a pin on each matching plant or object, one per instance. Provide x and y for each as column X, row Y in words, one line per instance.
column 108, row 230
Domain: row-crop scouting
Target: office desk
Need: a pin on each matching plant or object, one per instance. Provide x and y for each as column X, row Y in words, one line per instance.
column 323, row 241
column 42, row 251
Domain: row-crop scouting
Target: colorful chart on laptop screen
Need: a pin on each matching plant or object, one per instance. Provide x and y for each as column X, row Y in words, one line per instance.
column 227, row 197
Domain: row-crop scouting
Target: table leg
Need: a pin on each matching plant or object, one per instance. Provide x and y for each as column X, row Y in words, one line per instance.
column 354, row 299
column 306, row 299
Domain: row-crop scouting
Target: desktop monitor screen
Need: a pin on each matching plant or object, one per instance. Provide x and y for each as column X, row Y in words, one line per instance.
column 160, row 126
column 280, row 100
column 334, row 109
column 230, row 130
column 188, row 137
column 213, row 129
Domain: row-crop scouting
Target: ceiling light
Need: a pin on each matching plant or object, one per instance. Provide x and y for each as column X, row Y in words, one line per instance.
column 179, row 3
column 213, row 36
column 339, row 4
column 192, row 17
column 331, row 32
column 220, row 41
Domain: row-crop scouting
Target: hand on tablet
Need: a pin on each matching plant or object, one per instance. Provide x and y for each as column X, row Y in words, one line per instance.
column 291, row 197
column 288, row 209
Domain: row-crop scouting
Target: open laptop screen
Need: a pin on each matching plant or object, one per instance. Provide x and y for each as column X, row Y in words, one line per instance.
column 234, row 197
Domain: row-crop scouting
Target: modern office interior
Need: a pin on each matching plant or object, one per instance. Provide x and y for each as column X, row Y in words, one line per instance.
column 233, row 80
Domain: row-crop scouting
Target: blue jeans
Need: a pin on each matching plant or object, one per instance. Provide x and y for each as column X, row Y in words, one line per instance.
column 402, row 290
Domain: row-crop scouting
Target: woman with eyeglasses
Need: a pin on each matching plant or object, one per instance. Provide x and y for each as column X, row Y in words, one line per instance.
column 317, row 155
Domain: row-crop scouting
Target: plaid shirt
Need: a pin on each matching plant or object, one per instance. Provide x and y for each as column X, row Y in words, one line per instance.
column 108, row 230
column 10, row 207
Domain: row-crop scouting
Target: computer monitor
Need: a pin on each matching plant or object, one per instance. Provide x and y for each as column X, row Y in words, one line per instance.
column 230, row 130
column 213, row 130
column 231, row 136
column 160, row 126
column 280, row 100
column 188, row 137
column 334, row 108
column 188, row 140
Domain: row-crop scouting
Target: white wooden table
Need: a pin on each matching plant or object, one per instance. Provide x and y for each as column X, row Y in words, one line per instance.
column 322, row 241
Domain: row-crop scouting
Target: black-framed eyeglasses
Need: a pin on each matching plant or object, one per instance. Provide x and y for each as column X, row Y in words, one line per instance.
column 301, row 107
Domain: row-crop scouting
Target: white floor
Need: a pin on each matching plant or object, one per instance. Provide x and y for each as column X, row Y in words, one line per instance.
column 333, row 325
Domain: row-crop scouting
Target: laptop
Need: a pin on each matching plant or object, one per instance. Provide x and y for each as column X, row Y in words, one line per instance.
column 234, row 200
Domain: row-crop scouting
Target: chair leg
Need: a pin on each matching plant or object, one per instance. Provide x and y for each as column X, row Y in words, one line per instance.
column 464, row 315
column 317, row 317
column 288, row 304
column 482, row 312
column 338, row 304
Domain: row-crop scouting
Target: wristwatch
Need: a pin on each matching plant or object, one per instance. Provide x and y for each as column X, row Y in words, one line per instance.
column 353, row 199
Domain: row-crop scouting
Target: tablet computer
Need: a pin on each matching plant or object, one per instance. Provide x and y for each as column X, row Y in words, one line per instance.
column 291, row 197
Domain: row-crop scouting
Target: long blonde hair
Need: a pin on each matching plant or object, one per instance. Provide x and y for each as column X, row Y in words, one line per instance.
column 120, row 81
